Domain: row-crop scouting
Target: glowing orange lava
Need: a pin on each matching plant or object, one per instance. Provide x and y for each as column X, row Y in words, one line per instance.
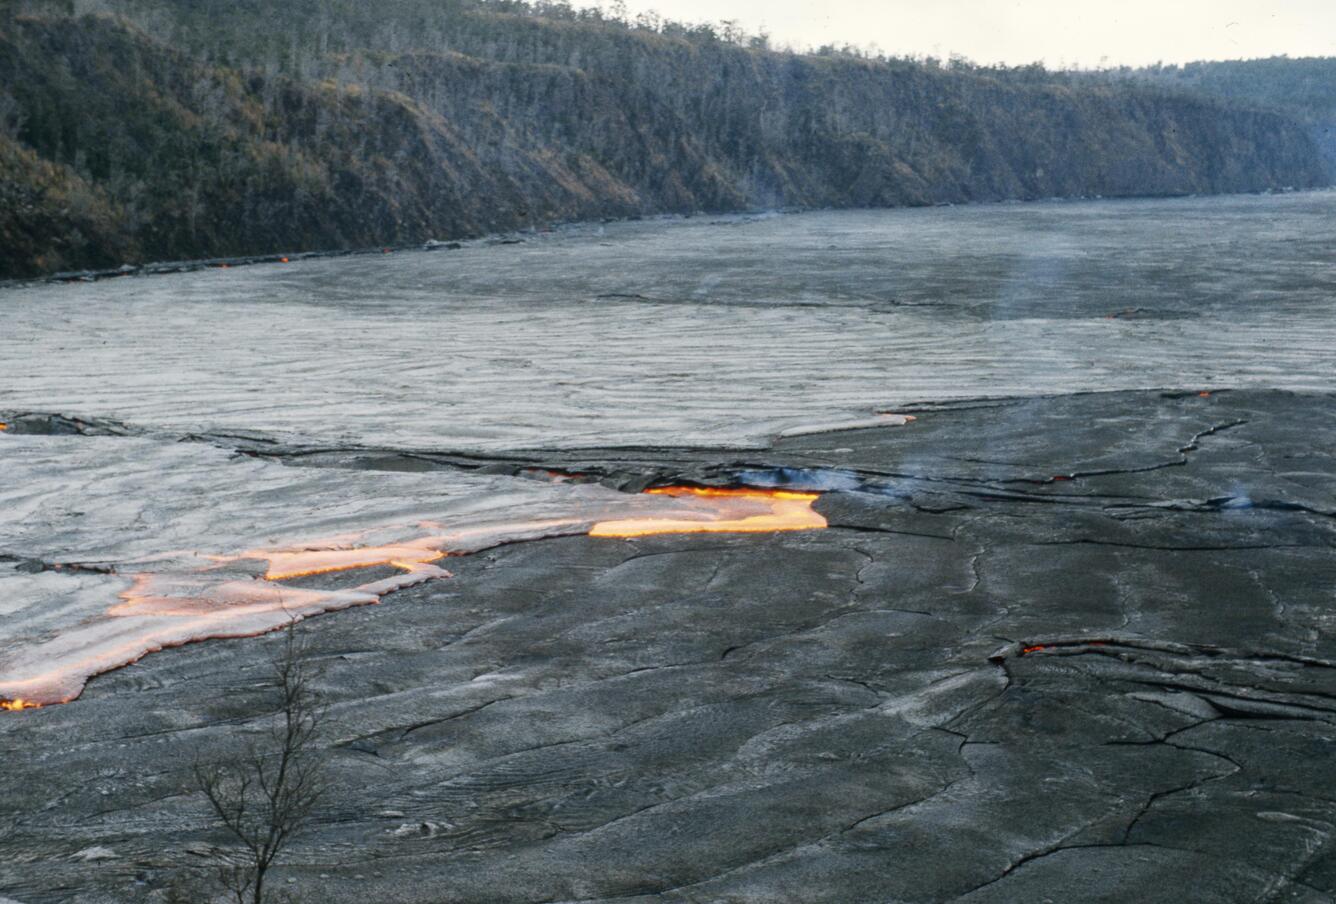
column 740, row 511
column 285, row 565
column 732, row 493
column 228, row 597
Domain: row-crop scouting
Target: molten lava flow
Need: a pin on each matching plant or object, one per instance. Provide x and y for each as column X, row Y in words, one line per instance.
column 285, row 565
column 162, row 611
column 215, row 596
column 731, row 493
column 736, row 511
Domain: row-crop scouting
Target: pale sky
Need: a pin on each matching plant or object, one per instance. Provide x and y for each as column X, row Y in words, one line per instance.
column 1055, row 32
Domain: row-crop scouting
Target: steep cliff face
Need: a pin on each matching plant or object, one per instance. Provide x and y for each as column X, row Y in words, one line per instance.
column 1302, row 88
column 51, row 219
column 189, row 130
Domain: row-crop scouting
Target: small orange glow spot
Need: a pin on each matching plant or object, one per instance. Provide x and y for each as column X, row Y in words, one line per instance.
column 18, row 704
column 3, row 426
column 282, row 260
column 1061, row 478
column 1028, row 650
column 1204, row 395
column 739, row 511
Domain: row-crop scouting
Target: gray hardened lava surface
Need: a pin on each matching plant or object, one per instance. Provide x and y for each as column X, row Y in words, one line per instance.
column 1079, row 648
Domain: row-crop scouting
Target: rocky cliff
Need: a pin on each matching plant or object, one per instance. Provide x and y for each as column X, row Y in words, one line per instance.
column 1304, row 88
column 151, row 130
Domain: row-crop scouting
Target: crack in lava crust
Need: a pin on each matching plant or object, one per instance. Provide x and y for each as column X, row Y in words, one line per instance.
column 229, row 598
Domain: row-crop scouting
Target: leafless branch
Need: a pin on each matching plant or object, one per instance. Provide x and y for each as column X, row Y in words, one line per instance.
column 265, row 796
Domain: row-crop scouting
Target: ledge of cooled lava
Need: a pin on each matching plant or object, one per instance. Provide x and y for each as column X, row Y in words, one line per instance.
column 1080, row 647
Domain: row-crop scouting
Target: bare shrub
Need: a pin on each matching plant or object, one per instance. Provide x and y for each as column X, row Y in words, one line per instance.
column 265, row 797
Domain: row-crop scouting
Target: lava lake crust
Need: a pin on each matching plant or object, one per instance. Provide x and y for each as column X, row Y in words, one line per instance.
column 1052, row 647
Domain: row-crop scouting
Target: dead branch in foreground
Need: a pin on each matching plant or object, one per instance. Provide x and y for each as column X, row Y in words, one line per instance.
column 265, row 796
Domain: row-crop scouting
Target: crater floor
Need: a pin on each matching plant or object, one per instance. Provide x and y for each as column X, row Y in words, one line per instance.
column 1075, row 648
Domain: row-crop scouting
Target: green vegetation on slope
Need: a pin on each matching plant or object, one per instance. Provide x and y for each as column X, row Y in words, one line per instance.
column 190, row 128
column 1303, row 88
